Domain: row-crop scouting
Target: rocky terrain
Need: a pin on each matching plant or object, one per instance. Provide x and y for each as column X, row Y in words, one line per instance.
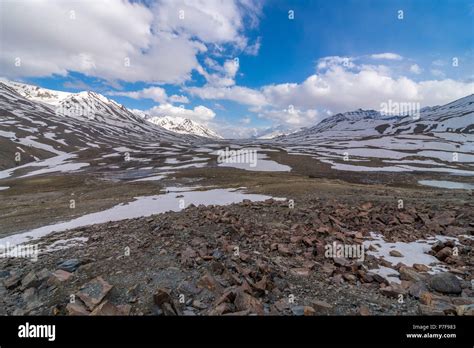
column 129, row 218
column 264, row 258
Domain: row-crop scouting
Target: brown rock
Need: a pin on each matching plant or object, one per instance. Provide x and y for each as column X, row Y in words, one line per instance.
column 395, row 253
column 76, row 308
column 405, row 218
column 393, row 290
column 29, row 294
column 221, row 309
column 244, row 301
column 328, row 269
column 59, row 276
column 321, row 307
column 30, row 280
column 465, row 310
column 261, row 285
column 188, row 256
column 426, row 298
column 12, row 281
column 108, row 309
column 309, row 241
column 168, row 309
column 244, row 257
column 417, row 289
column 309, row 311
column 444, row 253
column 161, row 296
column 284, row 249
column 408, row 273
column 444, row 218
column 350, row 277
column 364, row 310
column 199, row 305
column 93, row 292
column 210, row 283
column 428, row 310
column 340, row 261
column 420, row 267
column 302, row 272
column 282, row 304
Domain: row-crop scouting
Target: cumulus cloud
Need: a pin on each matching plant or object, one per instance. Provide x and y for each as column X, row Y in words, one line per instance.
column 332, row 61
column 291, row 116
column 119, row 40
column 199, row 113
column 242, row 95
column 157, row 94
column 387, row 55
column 437, row 73
column 339, row 87
column 178, row 99
column 342, row 90
column 223, row 76
column 415, row 69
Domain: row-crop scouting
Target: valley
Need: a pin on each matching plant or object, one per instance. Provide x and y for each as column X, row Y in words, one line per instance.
column 165, row 227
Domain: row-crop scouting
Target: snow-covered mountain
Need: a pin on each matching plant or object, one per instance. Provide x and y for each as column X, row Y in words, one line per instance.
column 275, row 132
column 36, row 93
column 79, row 122
column 456, row 117
column 179, row 125
column 95, row 107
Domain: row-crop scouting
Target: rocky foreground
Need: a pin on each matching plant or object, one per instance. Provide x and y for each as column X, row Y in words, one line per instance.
column 264, row 258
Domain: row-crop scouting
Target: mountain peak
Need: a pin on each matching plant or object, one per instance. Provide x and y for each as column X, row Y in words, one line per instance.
column 182, row 125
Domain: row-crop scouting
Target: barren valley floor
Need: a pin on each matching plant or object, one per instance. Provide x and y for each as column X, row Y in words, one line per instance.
column 255, row 256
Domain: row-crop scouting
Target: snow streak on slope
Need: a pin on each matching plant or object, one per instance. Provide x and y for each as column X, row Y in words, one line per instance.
column 441, row 140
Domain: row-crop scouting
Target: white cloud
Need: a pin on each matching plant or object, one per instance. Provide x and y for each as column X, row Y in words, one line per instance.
column 292, row 116
column 254, row 48
column 119, row 40
column 341, row 90
column 224, row 75
column 157, row 94
column 387, row 55
column 200, row 113
column 218, row 21
column 178, row 99
column 438, row 62
column 246, row 120
column 415, row 69
column 337, row 88
column 438, row 73
column 332, row 61
column 242, row 95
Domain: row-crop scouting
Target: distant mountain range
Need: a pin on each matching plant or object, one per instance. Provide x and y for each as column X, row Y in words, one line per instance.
column 454, row 117
column 93, row 105
column 181, row 125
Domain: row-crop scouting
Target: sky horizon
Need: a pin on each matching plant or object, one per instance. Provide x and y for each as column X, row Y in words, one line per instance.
column 240, row 66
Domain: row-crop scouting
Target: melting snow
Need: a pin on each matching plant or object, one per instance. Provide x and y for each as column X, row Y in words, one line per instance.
column 262, row 165
column 447, row 184
column 142, row 206
column 413, row 252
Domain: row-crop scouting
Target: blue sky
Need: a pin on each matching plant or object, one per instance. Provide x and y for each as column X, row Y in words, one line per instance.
column 333, row 56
